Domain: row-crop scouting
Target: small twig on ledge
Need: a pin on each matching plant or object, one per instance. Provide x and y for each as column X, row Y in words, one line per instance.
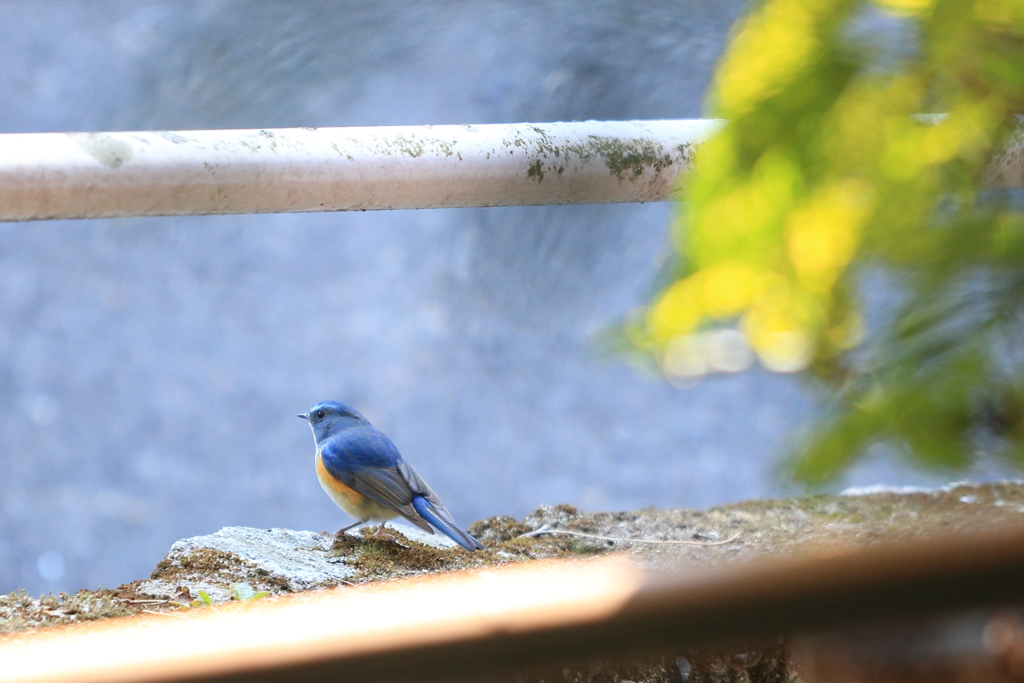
column 545, row 530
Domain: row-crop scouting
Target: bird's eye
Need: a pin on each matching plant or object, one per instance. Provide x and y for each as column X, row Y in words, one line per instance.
column 320, row 414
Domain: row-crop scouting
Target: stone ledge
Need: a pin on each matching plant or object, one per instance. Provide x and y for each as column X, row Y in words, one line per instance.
column 240, row 563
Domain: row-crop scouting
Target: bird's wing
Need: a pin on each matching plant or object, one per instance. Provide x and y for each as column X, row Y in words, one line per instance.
column 387, row 488
column 370, row 464
column 419, row 487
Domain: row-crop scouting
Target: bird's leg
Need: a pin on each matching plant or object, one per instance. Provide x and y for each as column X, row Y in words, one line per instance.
column 380, row 530
column 341, row 532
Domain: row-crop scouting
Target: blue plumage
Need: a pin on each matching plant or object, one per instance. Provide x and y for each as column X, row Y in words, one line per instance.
column 365, row 475
column 448, row 528
column 358, row 447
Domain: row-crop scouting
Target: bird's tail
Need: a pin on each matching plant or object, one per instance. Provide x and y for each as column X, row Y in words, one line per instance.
column 445, row 526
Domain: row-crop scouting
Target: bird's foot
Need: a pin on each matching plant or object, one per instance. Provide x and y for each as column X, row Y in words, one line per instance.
column 389, row 535
column 340, row 533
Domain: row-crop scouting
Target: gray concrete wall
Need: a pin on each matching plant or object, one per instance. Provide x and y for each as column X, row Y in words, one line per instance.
column 150, row 369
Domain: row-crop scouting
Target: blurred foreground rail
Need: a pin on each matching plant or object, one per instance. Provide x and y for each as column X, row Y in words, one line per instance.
column 94, row 175
column 486, row 623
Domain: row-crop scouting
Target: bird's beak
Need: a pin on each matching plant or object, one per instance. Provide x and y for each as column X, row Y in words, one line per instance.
column 304, row 416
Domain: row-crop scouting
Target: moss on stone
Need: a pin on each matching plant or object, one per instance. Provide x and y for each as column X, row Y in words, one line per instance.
column 20, row 612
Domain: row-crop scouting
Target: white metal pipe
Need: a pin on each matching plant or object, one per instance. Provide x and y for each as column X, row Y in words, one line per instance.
column 90, row 175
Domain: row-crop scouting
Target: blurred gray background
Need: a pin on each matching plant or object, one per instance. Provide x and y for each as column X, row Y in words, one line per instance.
column 150, row 369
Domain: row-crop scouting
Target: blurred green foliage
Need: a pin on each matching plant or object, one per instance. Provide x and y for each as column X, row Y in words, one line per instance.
column 828, row 165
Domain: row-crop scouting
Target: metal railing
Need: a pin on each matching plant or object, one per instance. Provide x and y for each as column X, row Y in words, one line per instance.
column 93, row 175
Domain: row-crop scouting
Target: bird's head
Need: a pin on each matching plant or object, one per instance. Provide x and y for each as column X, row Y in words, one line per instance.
column 328, row 417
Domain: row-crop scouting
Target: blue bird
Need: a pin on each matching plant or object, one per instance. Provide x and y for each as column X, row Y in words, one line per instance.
column 365, row 475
